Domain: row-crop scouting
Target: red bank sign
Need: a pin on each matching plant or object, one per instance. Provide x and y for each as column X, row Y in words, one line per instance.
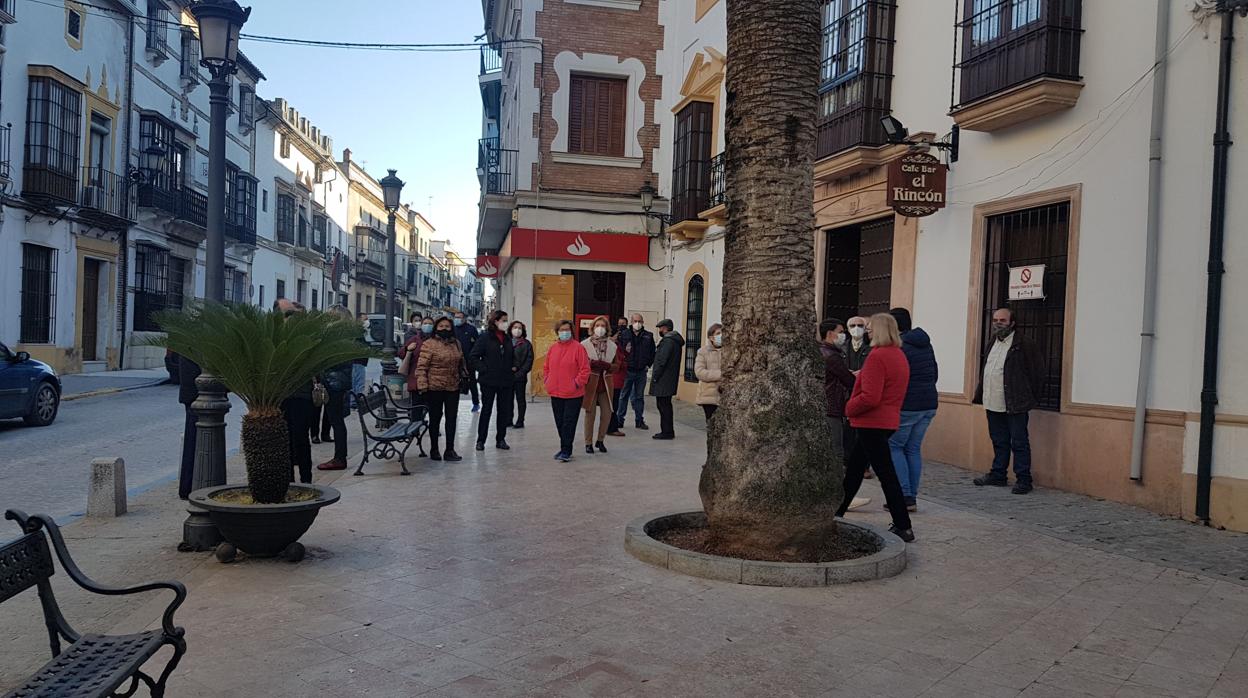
column 621, row 248
column 487, row 266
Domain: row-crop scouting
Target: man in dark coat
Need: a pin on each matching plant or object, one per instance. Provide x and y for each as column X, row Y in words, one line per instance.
column 838, row 384
column 467, row 336
column 493, row 358
column 919, row 407
column 188, row 371
column 638, row 343
column 1009, row 389
column 666, row 377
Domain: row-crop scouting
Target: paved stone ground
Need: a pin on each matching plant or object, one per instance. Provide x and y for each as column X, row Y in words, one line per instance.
column 505, row 575
column 78, row 384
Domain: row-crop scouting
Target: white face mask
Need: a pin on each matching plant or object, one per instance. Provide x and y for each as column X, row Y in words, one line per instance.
column 839, row 340
column 637, row 326
column 517, row 332
column 857, row 332
column 565, row 335
column 501, row 325
column 718, row 340
column 600, row 331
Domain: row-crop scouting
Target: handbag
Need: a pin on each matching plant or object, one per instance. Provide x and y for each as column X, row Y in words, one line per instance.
column 465, row 379
column 320, row 395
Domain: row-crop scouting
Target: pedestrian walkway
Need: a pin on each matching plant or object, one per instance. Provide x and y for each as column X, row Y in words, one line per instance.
column 80, row 385
column 505, row 575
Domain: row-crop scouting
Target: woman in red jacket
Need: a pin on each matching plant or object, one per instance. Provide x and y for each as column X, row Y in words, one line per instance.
column 565, row 374
column 874, row 411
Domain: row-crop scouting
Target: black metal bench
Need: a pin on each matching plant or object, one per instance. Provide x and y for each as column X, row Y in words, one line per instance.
column 395, row 428
column 92, row 665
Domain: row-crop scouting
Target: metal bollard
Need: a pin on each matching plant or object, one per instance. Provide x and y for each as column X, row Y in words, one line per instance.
column 107, row 495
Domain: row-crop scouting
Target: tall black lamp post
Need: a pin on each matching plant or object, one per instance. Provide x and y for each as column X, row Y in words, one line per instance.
column 392, row 189
column 220, row 22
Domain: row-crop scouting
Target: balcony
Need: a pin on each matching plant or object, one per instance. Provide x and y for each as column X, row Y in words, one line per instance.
column 182, row 204
column 719, row 186
column 50, row 177
column 491, row 58
column 8, row 13
column 856, row 80
column 105, row 199
column 1019, row 61
column 5, row 173
column 157, row 46
column 496, row 167
column 240, row 232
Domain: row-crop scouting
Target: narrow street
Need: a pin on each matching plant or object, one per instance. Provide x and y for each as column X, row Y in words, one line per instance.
column 48, row 469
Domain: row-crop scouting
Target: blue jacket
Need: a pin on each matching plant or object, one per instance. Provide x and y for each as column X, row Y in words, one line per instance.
column 467, row 336
column 640, row 347
column 921, row 392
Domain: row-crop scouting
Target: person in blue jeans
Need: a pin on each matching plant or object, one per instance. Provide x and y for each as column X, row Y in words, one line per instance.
column 638, row 343
column 918, row 409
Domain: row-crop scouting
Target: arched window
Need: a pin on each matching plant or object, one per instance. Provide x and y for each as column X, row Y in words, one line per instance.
column 693, row 324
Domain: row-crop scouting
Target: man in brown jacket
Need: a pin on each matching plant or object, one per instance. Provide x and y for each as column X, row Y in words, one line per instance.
column 838, row 382
column 1009, row 389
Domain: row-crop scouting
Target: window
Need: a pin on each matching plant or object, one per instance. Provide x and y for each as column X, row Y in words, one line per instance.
column 693, row 325
column 155, row 132
column 303, row 228
column 1033, row 236
column 1009, row 42
column 260, row 301
column 38, row 323
column 596, row 113
column 246, row 108
column 691, row 165
column 159, row 284
column 301, row 291
column 314, row 300
column 158, row 28
column 286, row 219
column 73, row 24
column 100, row 149
column 319, row 225
column 245, row 201
column 855, row 73
column 235, row 286
column 265, row 204
column 53, row 113
column 284, row 142
column 190, row 59
column 281, row 289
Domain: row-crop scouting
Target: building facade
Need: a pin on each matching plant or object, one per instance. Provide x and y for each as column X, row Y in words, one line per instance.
column 1052, row 99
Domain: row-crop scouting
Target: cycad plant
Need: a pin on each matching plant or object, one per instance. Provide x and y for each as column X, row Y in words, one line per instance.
column 263, row 357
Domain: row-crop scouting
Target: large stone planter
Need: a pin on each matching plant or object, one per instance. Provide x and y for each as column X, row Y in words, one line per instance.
column 639, row 540
column 263, row 530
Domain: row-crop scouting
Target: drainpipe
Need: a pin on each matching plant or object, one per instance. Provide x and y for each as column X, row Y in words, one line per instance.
column 1217, row 226
column 123, row 255
column 1148, row 325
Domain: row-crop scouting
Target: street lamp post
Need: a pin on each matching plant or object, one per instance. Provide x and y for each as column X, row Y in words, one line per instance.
column 392, row 188
column 220, row 22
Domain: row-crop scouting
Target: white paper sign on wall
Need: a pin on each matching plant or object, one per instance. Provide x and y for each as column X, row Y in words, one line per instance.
column 1027, row 283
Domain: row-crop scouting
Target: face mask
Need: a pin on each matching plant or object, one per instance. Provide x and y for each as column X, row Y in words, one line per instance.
column 600, row 331
column 517, row 332
column 457, row 322
column 445, row 333
column 565, row 335
column 637, row 326
column 857, row 332
column 839, row 340
column 426, row 328
column 718, row 340
column 621, row 328
column 1002, row 331
column 501, row 325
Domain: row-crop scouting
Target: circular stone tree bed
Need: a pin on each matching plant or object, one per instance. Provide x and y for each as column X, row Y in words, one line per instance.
column 875, row 554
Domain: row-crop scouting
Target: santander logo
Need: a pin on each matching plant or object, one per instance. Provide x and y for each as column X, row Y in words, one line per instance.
column 487, row 268
column 578, row 248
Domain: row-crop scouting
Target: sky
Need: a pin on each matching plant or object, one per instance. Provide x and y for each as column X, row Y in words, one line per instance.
column 416, row 112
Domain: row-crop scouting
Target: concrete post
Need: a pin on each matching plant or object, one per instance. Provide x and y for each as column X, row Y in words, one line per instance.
column 107, row 496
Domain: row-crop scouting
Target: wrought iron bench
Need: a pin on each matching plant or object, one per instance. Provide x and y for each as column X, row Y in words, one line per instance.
column 394, row 429
column 92, row 665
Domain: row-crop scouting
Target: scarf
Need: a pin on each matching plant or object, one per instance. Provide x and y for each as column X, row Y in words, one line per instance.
column 600, row 344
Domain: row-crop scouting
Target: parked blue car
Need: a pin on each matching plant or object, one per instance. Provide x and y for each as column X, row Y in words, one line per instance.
column 29, row 389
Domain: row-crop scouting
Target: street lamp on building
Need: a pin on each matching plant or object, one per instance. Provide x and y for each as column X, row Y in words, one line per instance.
column 392, row 189
column 220, row 22
column 896, row 132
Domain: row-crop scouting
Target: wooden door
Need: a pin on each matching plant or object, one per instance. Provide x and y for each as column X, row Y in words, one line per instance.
column 90, row 308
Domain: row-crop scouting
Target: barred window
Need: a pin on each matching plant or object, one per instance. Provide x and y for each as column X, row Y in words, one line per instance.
column 245, row 201
column 693, row 325
column 691, row 166
column 1009, row 42
column 855, row 73
column 156, row 133
column 53, row 128
column 286, row 219
column 38, row 322
column 190, row 57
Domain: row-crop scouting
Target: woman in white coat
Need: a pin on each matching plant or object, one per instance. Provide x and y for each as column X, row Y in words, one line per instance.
column 706, row 368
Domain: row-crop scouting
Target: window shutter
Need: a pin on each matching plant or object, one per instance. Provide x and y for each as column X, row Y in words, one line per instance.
column 246, row 109
column 616, row 135
column 576, row 108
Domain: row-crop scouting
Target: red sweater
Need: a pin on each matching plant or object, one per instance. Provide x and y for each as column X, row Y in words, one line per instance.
column 566, row 370
column 879, row 390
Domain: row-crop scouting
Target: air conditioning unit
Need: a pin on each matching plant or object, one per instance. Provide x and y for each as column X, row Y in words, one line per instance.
column 93, row 197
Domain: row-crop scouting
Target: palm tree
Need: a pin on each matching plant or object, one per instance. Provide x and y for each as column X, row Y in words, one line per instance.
column 263, row 357
column 769, row 485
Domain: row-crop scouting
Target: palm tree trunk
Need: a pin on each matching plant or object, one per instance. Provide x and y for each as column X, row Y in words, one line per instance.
column 266, row 450
column 770, row 484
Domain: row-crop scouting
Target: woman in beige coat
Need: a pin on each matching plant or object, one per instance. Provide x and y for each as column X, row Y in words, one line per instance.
column 706, row 368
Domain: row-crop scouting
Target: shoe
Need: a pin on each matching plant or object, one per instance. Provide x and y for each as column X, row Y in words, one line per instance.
column 316, row 439
column 564, row 457
column 601, row 446
column 451, row 456
column 327, row 439
column 558, row 455
column 434, row 454
column 663, row 437
column 858, row 503
column 502, row 446
column 616, row 432
column 333, row 465
column 480, row 445
column 642, row 426
column 518, row 425
column 589, row 449
column 1021, row 488
column 476, row 408
column 906, row 535
column 912, row 504
column 990, row 480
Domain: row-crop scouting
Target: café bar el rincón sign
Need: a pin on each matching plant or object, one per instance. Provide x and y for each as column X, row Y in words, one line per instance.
column 916, row 185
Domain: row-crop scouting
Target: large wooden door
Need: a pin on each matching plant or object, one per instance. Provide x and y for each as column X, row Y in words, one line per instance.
column 858, row 277
column 90, row 308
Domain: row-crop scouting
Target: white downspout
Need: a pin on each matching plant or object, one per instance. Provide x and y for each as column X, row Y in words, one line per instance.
column 1148, row 325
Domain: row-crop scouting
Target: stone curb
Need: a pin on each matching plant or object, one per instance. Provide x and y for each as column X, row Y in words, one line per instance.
column 888, row 562
column 109, row 391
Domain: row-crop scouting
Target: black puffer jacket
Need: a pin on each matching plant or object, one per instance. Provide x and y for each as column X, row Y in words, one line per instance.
column 921, row 391
column 493, row 357
column 524, row 360
column 667, row 365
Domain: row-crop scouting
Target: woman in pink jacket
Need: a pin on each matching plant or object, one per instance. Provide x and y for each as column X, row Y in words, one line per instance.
column 565, row 373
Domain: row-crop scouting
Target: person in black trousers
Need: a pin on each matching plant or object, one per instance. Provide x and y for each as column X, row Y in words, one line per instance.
column 523, row 350
column 468, row 336
column 494, row 359
column 297, row 409
column 188, row 371
column 666, row 377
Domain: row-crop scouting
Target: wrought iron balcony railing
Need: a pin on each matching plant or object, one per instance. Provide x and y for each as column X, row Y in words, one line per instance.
column 183, row 203
column 491, row 59
column 5, row 171
column 718, row 182
column 496, row 167
column 1010, row 42
column 8, row 15
column 106, row 195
